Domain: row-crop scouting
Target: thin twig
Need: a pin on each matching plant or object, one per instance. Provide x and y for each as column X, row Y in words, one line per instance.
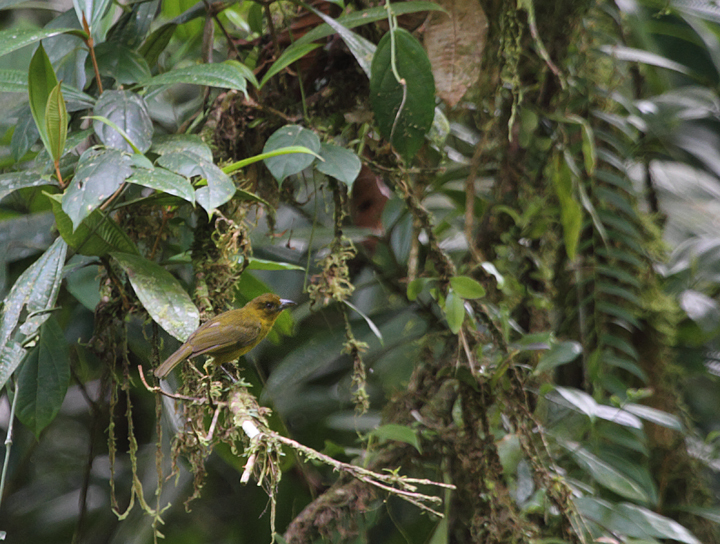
column 155, row 389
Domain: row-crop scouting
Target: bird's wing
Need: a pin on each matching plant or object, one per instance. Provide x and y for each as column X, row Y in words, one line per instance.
column 218, row 337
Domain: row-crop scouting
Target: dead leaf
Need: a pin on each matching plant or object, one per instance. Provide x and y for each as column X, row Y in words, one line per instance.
column 454, row 42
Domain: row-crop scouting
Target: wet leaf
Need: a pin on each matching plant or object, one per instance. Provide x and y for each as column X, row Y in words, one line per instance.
column 12, row 40
column 99, row 174
column 35, row 291
column 97, row 235
column 130, row 113
column 161, row 295
column 224, row 75
column 165, row 181
column 14, row 181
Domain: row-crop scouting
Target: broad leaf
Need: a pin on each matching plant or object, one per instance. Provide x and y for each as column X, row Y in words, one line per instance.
column 366, row 16
column 165, row 181
column 12, row 40
column 558, row 354
column 340, row 163
column 96, row 236
column 224, row 75
column 56, row 123
column 286, row 165
column 34, row 291
column 161, row 294
column 20, row 180
column 404, row 113
column 467, row 287
column 129, row 112
column 290, row 55
column 41, row 82
column 43, row 379
column 400, row 433
column 90, row 11
column 454, row 310
column 99, row 174
column 121, row 63
column 219, row 188
column 632, row 520
column 606, row 475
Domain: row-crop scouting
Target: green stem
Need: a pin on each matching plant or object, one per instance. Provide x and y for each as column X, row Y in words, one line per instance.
column 8, row 442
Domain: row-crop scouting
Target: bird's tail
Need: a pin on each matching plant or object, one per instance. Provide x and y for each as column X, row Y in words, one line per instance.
column 171, row 362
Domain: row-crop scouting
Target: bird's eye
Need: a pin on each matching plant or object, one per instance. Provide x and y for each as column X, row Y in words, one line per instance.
column 269, row 305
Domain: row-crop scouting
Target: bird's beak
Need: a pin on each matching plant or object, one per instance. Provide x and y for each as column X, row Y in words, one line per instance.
column 285, row 303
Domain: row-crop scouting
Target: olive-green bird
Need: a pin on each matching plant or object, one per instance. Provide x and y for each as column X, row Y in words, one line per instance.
column 231, row 334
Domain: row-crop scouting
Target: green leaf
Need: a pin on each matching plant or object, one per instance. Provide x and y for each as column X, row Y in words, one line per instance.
column 156, row 43
column 99, row 174
column 183, row 143
column 82, row 281
column 570, row 210
column 165, row 181
column 417, row 286
column 92, row 11
column 15, row 181
column 645, row 57
column 467, row 287
column 13, row 81
column 161, row 295
column 366, row 16
column 490, row 269
column 41, row 82
column 261, row 264
column 340, row 163
column 220, row 187
column 375, row 330
column 655, row 416
column 399, row 433
column 25, row 134
column 43, row 379
column 56, row 123
column 121, row 63
column 35, row 291
column 617, row 311
column 286, row 165
column 96, row 236
column 559, row 354
column 454, row 310
column 233, row 167
column 404, row 114
column 632, row 520
column 129, row 112
column 290, row 55
column 12, row 40
column 605, row 474
column 362, row 49
column 224, row 75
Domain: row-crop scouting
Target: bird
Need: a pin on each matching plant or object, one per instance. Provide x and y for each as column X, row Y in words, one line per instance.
column 231, row 334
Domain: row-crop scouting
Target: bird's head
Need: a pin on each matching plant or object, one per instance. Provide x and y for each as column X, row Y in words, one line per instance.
column 269, row 305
